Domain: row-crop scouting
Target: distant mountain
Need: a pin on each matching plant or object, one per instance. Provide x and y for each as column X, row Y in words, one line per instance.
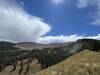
column 4, row 46
column 83, row 63
column 33, row 45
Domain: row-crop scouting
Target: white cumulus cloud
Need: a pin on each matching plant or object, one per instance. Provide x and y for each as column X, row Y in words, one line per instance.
column 17, row 25
column 63, row 38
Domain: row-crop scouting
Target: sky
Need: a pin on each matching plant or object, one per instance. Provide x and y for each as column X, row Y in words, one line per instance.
column 49, row 21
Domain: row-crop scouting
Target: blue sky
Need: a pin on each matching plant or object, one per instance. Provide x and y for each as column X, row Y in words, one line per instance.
column 65, row 18
column 48, row 21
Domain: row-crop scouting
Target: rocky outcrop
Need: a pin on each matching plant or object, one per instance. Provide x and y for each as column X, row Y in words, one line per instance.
column 52, row 56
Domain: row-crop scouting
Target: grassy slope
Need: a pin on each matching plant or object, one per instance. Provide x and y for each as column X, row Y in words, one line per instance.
column 83, row 63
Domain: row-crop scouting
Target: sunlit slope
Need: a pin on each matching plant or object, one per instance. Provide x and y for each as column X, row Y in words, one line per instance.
column 83, row 63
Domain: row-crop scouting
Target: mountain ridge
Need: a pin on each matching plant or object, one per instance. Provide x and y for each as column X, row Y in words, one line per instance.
column 83, row 63
column 21, row 61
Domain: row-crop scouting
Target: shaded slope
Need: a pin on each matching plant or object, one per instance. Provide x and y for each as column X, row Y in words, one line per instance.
column 51, row 56
column 34, row 67
column 18, row 63
column 5, row 46
column 83, row 63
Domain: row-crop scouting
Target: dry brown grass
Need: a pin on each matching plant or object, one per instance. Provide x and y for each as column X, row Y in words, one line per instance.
column 83, row 63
